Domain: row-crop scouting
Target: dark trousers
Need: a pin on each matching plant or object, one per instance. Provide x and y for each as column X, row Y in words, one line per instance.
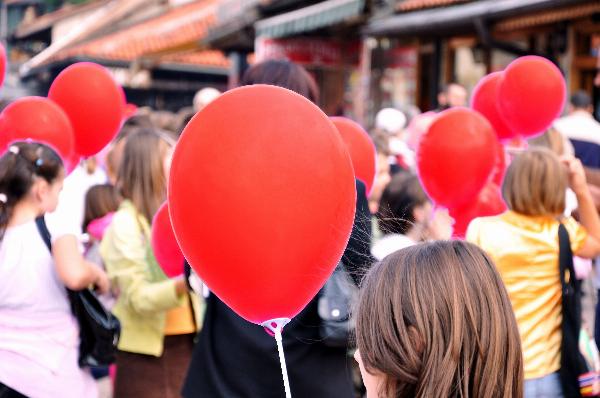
column 145, row 376
column 7, row 392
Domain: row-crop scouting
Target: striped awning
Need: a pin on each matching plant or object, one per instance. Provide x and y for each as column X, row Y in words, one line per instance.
column 310, row 18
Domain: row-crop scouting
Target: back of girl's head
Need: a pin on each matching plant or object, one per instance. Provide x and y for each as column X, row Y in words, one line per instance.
column 284, row 74
column 100, row 200
column 436, row 321
column 141, row 177
column 398, row 202
column 535, row 183
column 22, row 163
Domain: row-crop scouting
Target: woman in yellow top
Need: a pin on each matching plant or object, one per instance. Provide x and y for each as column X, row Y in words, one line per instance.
column 524, row 245
column 157, row 318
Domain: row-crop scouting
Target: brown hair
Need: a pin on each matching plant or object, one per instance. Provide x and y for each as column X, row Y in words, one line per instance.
column 141, row 177
column 436, row 321
column 99, row 201
column 535, row 183
column 400, row 198
column 19, row 167
column 284, row 74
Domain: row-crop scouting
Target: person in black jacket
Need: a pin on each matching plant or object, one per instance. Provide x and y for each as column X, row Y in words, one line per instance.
column 235, row 358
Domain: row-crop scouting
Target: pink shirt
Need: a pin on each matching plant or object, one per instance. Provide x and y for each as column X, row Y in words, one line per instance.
column 39, row 337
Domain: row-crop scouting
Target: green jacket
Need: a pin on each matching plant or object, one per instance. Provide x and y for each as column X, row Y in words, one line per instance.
column 145, row 292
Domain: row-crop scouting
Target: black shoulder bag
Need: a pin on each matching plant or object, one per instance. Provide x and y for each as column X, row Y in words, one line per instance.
column 99, row 329
column 334, row 306
column 572, row 364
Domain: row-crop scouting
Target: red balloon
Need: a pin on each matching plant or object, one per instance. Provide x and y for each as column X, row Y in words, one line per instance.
column 489, row 202
column 262, row 198
column 94, row 103
column 456, row 156
column 37, row 119
column 130, row 110
column 500, row 165
column 531, row 95
column 164, row 245
column 2, row 64
column 485, row 101
column 361, row 149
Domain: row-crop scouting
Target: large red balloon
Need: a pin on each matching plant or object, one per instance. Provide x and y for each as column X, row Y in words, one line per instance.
column 164, row 245
column 94, row 103
column 531, row 95
column 37, row 119
column 2, row 64
column 489, row 202
column 485, row 101
column 361, row 149
column 456, row 156
column 262, row 199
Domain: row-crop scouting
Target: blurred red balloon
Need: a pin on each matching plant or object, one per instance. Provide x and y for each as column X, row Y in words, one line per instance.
column 130, row 110
column 499, row 165
column 531, row 95
column 262, row 198
column 361, row 149
column 489, row 202
column 2, row 64
column 485, row 101
column 94, row 103
column 36, row 119
column 456, row 156
column 164, row 245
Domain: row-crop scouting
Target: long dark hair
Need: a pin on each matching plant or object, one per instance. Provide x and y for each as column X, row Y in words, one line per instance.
column 18, row 168
column 398, row 203
column 141, row 177
column 284, row 74
column 435, row 319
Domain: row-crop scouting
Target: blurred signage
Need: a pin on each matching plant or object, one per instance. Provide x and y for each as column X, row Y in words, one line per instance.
column 306, row 51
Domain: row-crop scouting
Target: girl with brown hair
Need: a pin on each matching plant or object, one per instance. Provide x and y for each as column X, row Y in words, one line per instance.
column 39, row 344
column 434, row 320
column 156, row 313
column 524, row 245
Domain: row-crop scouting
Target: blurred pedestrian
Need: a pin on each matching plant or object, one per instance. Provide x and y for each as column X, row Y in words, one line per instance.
column 524, row 245
column 39, row 343
column 235, row 358
column 582, row 129
column 157, row 314
column 406, row 216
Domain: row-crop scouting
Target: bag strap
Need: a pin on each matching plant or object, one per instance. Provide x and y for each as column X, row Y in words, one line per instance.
column 40, row 222
column 570, row 283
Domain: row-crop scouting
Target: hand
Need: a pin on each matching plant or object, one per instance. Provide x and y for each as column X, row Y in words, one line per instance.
column 181, row 286
column 101, row 282
column 577, row 180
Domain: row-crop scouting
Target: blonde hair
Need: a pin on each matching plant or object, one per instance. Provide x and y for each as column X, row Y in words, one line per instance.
column 141, row 177
column 535, row 183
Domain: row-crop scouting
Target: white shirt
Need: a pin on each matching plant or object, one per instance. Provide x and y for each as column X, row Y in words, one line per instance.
column 71, row 202
column 389, row 244
column 39, row 337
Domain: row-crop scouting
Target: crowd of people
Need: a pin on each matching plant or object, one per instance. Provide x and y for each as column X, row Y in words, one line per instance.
column 434, row 317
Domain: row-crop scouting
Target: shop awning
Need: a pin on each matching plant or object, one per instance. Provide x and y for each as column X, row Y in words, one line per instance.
column 309, row 18
column 233, row 16
column 457, row 16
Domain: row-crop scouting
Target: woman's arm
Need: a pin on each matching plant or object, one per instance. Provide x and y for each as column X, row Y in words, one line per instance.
column 588, row 215
column 124, row 251
column 72, row 269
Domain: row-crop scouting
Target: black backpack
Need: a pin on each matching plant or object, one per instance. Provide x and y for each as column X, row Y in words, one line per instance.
column 99, row 329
